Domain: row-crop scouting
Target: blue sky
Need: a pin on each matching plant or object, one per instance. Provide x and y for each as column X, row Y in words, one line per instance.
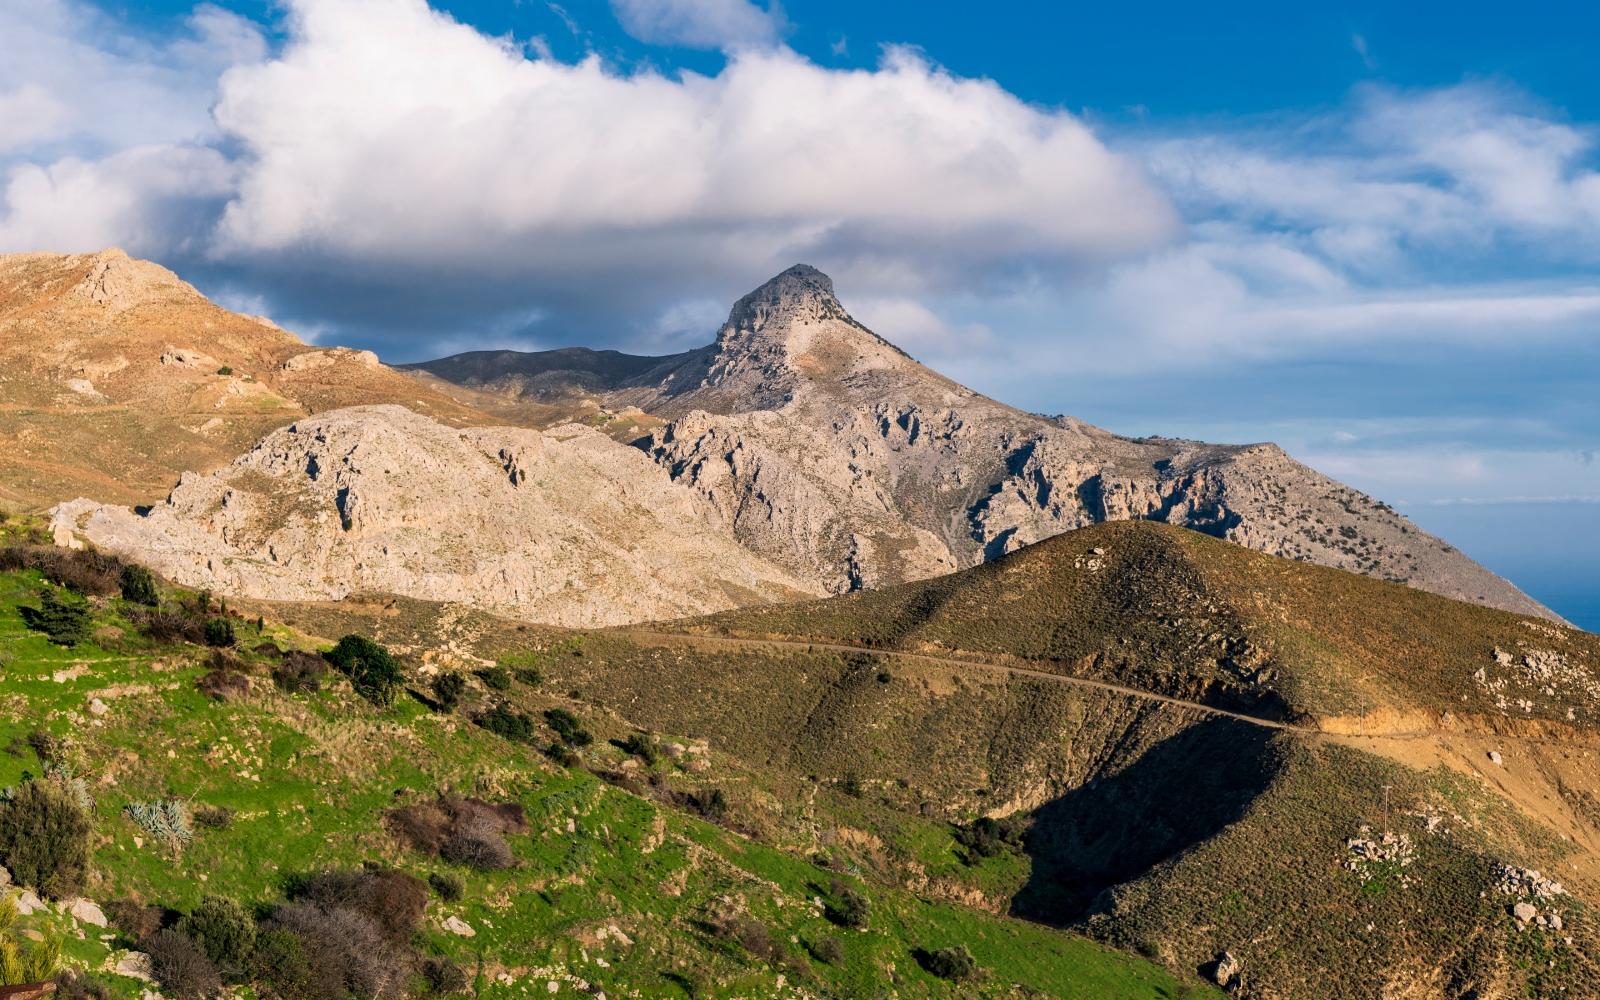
column 1371, row 233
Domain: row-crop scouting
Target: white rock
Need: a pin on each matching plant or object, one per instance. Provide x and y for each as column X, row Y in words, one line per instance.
column 98, row 707
column 1494, row 758
column 5, row 877
column 86, row 912
column 455, row 925
column 135, row 965
column 1524, row 912
column 28, row 903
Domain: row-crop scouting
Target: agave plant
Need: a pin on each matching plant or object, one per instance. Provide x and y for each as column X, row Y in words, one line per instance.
column 167, row 820
column 20, row 966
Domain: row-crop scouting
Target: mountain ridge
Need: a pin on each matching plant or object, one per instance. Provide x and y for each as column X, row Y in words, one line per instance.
column 827, row 449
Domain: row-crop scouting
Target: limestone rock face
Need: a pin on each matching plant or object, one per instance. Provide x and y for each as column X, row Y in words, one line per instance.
column 829, row 451
column 564, row 526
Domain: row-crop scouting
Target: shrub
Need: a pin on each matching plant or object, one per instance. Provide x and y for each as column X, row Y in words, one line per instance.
column 218, row 632
column 344, row 952
column 168, row 624
column 224, row 931
column 443, row 976
column 567, row 726
column 48, row 747
column 507, row 724
column 461, row 830
column 63, row 622
column 181, row 966
column 299, row 673
column 19, row 965
column 954, row 963
column 477, row 842
column 986, row 837
column 223, row 685
column 495, row 678
column 708, row 802
column 372, row 671
column 83, row 571
column 529, row 676
column 139, row 586
column 281, row 968
column 44, row 838
column 749, row 933
column 213, row 817
column 642, row 747
column 448, row 689
column 75, row 985
column 850, row 784
column 849, row 908
column 134, row 919
column 225, row 370
column 830, row 950
column 448, row 885
column 392, row 899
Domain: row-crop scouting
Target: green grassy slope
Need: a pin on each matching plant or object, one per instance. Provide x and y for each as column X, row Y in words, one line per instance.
column 309, row 777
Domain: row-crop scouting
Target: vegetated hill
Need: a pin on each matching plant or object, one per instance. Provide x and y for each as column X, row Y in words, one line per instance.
column 563, row 526
column 116, row 376
column 1356, row 789
column 1180, row 612
column 251, row 772
column 824, row 447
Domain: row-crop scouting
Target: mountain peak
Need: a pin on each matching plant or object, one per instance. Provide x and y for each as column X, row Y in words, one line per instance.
column 800, row 293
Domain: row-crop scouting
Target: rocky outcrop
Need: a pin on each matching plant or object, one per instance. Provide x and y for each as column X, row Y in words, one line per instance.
column 565, row 527
column 829, row 451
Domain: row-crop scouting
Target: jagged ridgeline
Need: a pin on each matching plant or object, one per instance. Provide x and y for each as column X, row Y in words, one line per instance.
column 799, row 454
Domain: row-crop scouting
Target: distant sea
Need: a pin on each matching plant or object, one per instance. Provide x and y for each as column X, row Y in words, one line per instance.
column 1549, row 549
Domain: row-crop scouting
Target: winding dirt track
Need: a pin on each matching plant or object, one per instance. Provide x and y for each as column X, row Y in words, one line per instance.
column 648, row 637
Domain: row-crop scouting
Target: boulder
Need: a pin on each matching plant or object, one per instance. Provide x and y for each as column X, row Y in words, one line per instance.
column 1227, row 969
column 86, row 912
column 455, row 925
column 1524, row 912
column 1494, row 758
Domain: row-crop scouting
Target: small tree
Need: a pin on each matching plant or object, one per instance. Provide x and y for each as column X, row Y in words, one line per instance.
column 44, row 839
column 372, row 671
column 139, row 586
column 219, row 632
column 448, row 689
column 64, row 623
column 851, row 908
column 568, row 727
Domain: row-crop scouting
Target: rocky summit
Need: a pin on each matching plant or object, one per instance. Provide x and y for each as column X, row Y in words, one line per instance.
column 829, row 451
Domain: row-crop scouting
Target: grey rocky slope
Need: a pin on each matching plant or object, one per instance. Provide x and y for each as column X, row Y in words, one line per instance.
column 829, row 451
column 563, row 526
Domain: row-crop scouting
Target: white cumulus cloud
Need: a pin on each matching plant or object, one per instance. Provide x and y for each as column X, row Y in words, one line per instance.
column 700, row 24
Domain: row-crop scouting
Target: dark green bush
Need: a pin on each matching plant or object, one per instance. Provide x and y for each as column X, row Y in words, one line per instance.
column 849, row 907
column 448, row 689
column 443, row 976
column 567, row 726
column 219, row 632
column 280, row 967
column 139, row 586
column 495, row 678
column 448, row 885
column 529, row 676
column 986, row 837
column 225, row 932
column 44, row 839
column 642, row 747
column 830, row 950
column 64, row 623
column 372, row 671
column 507, row 724
column 954, row 963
